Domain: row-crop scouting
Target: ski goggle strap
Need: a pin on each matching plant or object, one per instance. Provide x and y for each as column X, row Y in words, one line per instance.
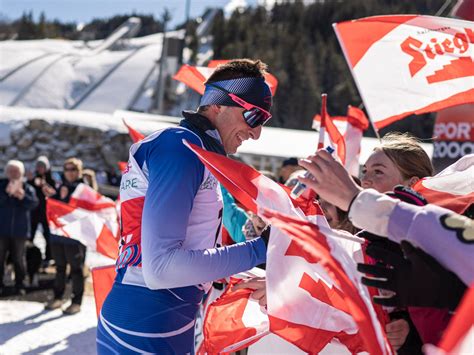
column 252, row 90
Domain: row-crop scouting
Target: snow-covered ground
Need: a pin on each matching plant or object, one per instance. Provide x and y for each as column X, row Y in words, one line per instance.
column 26, row 328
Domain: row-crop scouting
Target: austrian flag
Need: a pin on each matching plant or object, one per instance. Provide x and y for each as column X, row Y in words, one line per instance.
column 409, row 64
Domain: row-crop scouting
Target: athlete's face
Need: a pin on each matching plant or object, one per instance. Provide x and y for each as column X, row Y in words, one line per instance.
column 233, row 129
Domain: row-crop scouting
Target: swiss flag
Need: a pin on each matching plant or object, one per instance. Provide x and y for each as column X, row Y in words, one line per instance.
column 294, row 286
column 452, row 188
column 195, row 76
column 345, row 136
column 409, row 64
column 338, row 287
column 89, row 217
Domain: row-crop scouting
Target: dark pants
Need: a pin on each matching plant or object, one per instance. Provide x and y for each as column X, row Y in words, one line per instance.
column 74, row 254
column 16, row 248
column 39, row 217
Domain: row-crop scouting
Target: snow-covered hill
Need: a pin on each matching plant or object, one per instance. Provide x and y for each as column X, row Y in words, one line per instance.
column 63, row 74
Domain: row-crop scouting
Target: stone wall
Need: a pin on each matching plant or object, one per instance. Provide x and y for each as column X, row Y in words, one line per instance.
column 26, row 140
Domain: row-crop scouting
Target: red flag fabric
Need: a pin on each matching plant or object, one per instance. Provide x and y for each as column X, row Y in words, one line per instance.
column 89, row 218
column 458, row 338
column 345, row 136
column 122, row 166
column 195, row 76
column 289, row 277
column 335, row 136
column 235, row 320
column 102, row 280
column 134, row 134
column 452, row 188
column 248, row 186
column 422, row 63
column 315, row 245
column 460, row 326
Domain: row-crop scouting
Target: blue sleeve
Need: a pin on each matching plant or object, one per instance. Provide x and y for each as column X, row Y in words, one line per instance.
column 175, row 174
column 233, row 217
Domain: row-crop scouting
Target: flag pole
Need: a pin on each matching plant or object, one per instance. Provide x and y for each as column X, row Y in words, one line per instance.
column 322, row 127
column 376, row 131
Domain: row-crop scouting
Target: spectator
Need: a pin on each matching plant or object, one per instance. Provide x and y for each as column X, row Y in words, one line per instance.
column 68, row 251
column 399, row 160
column 88, row 175
column 288, row 167
column 17, row 199
column 42, row 180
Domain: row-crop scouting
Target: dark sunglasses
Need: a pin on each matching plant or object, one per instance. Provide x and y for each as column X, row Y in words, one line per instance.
column 253, row 115
column 70, row 169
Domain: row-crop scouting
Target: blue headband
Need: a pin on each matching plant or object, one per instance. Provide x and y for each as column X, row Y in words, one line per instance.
column 253, row 90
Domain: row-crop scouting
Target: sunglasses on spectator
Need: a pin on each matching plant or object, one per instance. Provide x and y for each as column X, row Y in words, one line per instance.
column 70, row 169
column 253, row 115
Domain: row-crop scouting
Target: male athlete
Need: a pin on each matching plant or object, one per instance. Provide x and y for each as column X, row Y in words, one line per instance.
column 171, row 218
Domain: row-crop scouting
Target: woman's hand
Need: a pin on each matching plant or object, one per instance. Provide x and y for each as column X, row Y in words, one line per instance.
column 330, row 179
column 397, row 332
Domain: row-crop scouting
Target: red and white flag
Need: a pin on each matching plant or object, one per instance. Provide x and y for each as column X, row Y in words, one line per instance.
column 303, row 305
column 345, row 136
column 409, row 64
column 134, row 134
column 89, row 217
column 458, row 338
column 235, row 320
column 195, row 76
column 452, row 188
column 330, row 281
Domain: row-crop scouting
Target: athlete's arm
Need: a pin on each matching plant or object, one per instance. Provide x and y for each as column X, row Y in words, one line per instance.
column 175, row 174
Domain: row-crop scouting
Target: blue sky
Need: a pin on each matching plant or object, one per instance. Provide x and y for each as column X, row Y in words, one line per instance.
column 85, row 10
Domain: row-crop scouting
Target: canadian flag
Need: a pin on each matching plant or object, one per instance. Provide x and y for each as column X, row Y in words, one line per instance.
column 458, row 337
column 452, row 188
column 195, row 76
column 345, row 136
column 89, row 218
column 304, row 307
column 234, row 320
column 409, row 64
column 338, row 287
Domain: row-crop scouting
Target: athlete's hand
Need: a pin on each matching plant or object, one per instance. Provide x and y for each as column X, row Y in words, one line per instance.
column 330, row 179
column 258, row 284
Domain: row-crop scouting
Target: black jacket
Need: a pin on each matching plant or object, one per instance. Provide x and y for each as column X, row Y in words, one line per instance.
column 70, row 186
column 41, row 209
column 15, row 213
